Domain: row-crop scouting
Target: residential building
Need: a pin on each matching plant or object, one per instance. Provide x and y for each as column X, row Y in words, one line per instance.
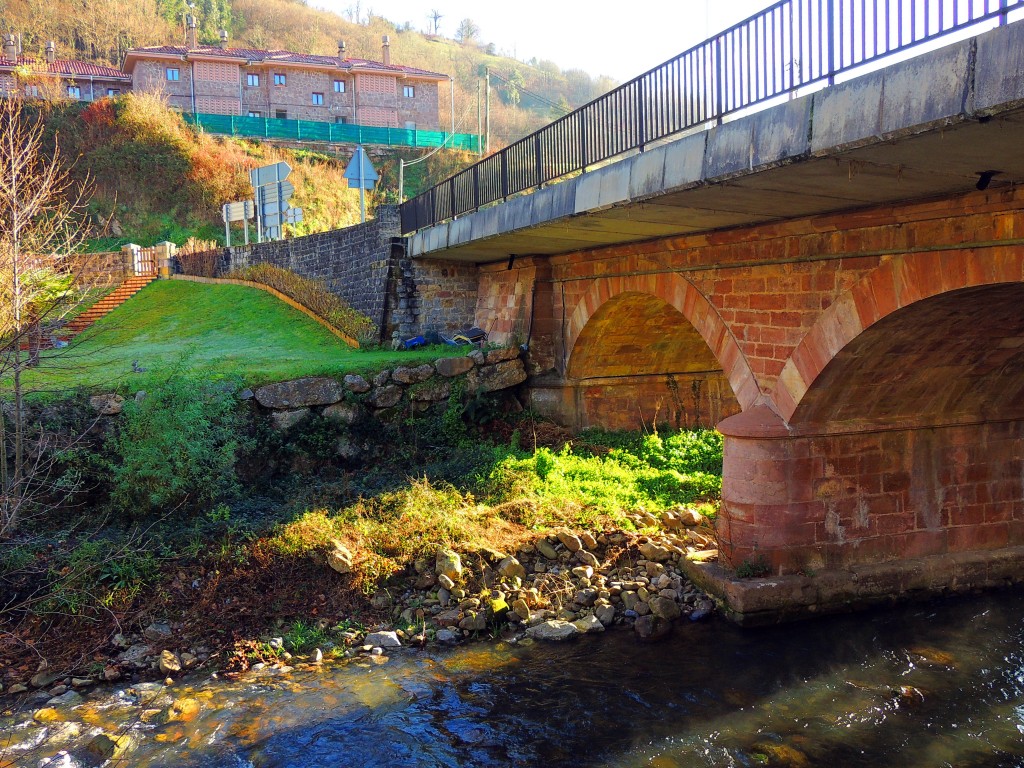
column 284, row 84
column 51, row 78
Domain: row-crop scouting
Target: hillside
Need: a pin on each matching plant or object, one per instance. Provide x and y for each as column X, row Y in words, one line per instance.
column 525, row 95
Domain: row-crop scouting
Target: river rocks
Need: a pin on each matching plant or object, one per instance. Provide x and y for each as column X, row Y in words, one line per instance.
column 587, row 558
column 589, row 624
column 521, row 609
column 474, row 621
column 511, row 568
column 158, row 632
column 655, row 552
column 490, row 378
column 652, row 627
column 545, row 548
column 108, row 746
column 571, row 542
column 383, row 640
column 17, row 688
column 448, row 563
column 431, row 391
column 44, row 678
column 493, row 356
column 554, row 630
column 169, row 663
column 300, row 393
column 356, row 384
column 449, row 367
column 340, row 558
column 663, row 608
column 107, row 405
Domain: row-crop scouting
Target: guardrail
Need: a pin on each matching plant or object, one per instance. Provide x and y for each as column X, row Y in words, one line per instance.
column 340, row 133
column 786, row 47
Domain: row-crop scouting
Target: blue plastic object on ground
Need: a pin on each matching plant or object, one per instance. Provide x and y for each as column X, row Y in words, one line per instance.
column 415, row 341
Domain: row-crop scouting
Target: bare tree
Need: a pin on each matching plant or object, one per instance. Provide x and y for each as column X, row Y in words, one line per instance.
column 435, row 17
column 467, row 32
column 42, row 223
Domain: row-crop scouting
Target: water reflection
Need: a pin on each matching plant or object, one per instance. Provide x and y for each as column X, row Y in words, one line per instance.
column 941, row 685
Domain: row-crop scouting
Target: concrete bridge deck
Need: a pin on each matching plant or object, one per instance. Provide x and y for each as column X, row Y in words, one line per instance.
column 922, row 128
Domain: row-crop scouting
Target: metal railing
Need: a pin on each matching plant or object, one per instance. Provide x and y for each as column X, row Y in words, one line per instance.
column 339, row 133
column 788, row 46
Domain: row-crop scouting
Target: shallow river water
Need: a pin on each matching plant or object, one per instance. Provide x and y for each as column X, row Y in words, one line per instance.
column 940, row 684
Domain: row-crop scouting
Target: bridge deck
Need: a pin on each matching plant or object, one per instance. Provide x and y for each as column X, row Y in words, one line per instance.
column 924, row 127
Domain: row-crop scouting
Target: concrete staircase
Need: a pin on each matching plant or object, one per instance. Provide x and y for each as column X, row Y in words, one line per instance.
column 111, row 301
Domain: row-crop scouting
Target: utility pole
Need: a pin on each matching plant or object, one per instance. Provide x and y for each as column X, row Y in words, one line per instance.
column 487, row 114
column 479, row 125
column 451, row 82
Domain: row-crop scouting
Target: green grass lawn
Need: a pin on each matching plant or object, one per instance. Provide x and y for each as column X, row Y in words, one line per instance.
column 215, row 331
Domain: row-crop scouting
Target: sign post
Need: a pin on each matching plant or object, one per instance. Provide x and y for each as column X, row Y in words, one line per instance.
column 272, row 193
column 362, row 175
column 239, row 211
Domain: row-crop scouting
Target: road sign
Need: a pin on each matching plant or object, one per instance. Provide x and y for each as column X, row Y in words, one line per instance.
column 239, row 211
column 274, row 192
column 269, row 173
column 293, row 216
column 360, row 171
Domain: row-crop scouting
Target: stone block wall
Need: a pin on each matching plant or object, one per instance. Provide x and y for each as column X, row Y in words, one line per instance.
column 366, row 266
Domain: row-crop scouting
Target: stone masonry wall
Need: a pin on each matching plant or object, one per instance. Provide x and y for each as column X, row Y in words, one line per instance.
column 365, row 265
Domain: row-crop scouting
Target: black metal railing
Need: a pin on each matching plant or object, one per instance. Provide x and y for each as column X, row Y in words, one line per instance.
column 788, row 46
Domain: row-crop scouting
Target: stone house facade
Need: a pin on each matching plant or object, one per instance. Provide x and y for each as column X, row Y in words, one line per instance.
column 50, row 78
column 283, row 84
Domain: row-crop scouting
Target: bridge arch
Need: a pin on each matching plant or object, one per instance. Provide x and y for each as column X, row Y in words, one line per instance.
column 895, row 285
column 640, row 309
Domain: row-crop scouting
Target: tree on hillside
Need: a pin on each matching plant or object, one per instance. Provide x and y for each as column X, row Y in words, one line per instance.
column 435, row 16
column 42, row 221
column 467, row 32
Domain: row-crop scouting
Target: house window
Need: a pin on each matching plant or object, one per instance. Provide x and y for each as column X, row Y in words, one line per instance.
column 339, row 86
column 341, row 121
column 32, row 91
column 252, row 80
column 281, row 114
column 74, row 92
column 280, row 79
column 113, row 91
column 255, row 114
column 173, row 75
column 318, row 99
column 409, row 91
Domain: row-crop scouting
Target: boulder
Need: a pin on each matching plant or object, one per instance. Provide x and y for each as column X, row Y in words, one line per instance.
column 300, row 393
column 555, row 630
column 588, row 625
column 663, row 608
column 382, row 378
column 383, row 640
column 655, row 552
column 587, row 558
column 448, row 563
column 490, row 378
column 107, row 405
column 285, row 420
column 545, row 548
column 571, row 542
column 450, row 367
column 356, row 384
column 340, row 558
column 345, row 414
column 44, row 678
column 431, row 391
column 511, row 568
column 652, row 627
column 169, row 663
column 521, row 609
column 107, row 746
column 605, row 614
column 588, row 540
column 404, row 375
column 474, row 621
column 386, row 396
column 447, row 636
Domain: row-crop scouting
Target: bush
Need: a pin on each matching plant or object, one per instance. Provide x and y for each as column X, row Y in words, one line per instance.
column 314, row 296
column 177, row 445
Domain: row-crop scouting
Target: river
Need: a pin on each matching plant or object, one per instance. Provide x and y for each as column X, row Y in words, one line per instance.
column 938, row 684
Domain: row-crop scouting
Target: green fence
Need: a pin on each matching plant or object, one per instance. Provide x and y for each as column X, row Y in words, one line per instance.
column 342, row 133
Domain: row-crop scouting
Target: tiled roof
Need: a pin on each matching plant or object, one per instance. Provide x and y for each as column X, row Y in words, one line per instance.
column 284, row 57
column 68, row 68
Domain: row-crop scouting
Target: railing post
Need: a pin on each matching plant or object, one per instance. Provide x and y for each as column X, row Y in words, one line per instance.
column 641, row 122
column 584, row 148
column 537, row 164
column 719, row 105
column 831, row 33
column 476, row 186
column 1003, row 10
column 504, row 173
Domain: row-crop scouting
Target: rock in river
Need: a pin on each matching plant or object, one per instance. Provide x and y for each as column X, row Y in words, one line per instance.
column 555, row 630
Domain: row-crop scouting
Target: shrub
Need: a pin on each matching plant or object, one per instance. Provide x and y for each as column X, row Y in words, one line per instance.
column 314, row 296
column 177, row 445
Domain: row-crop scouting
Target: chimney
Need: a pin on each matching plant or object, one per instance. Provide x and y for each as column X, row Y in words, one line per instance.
column 190, row 25
column 387, row 49
column 11, row 48
column 224, row 39
column 51, row 52
column 341, row 53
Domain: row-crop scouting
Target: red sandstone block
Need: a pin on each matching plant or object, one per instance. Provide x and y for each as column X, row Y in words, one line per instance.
column 889, row 525
column 975, row 537
column 769, row 301
column 922, row 544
